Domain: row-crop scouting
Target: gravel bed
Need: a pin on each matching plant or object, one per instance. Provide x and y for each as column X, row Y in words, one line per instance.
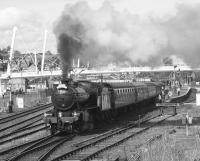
column 173, row 145
column 22, row 132
column 20, row 141
column 22, row 118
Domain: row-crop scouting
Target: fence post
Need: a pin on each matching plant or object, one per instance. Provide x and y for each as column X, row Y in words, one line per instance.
column 161, row 110
column 174, row 111
column 139, row 122
column 187, row 132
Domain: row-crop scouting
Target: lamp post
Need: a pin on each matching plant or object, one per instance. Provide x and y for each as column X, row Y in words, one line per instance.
column 174, row 74
column 10, row 102
column 174, row 78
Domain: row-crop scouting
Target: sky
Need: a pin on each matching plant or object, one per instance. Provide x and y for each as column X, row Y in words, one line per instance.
column 159, row 25
column 31, row 18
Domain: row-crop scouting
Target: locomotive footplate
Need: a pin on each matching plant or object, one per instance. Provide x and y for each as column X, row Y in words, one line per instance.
column 69, row 120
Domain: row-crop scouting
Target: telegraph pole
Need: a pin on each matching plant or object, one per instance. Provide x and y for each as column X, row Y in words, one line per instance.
column 43, row 51
column 11, row 51
column 36, row 67
column 10, row 103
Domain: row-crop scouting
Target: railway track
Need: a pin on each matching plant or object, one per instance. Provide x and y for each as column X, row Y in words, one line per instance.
column 88, row 150
column 10, row 137
column 18, row 147
column 85, row 150
column 42, row 149
column 51, row 147
column 24, row 113
column 21, row 124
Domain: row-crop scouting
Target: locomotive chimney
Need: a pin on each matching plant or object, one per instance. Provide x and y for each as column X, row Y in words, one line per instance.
column 78, row 65
column 73, row 65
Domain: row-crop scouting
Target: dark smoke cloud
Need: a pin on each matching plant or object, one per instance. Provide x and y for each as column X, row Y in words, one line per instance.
column 69, row 44
column 106, row 35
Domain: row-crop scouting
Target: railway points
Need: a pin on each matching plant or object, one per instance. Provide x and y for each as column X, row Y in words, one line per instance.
column 22, row 127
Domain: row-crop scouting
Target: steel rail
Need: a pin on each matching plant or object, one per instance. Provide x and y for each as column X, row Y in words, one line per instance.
column 101, row 139
column 24, row 113
column 21, row 130
column 51, row 150
column 38, row 146
column 21, row 122
column 22, row 145
column 23, row 135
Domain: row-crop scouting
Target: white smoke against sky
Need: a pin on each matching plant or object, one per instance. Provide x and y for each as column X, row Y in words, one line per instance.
column 118, row 34
column 30, row 30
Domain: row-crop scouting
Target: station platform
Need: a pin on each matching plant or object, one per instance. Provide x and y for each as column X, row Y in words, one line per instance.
column 183, row 91
column 173, row 93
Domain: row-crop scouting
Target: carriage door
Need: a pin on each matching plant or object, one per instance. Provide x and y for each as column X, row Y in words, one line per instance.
column 106, row 99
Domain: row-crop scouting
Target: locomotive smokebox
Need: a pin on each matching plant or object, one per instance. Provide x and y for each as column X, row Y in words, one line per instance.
column 63, row 98
column 66, row 96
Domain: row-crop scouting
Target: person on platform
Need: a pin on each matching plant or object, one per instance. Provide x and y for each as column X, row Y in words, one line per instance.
column 159, row 99
column 163, row 95
column 178, row 91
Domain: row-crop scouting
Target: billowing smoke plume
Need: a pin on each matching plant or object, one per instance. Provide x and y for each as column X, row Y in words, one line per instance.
column 106, row 35
column 183, row 34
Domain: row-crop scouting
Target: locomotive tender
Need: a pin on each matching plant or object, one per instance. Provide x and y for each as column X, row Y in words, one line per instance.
column 77, row 105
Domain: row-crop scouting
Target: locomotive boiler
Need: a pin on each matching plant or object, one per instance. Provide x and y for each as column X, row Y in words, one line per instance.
column 78, row 105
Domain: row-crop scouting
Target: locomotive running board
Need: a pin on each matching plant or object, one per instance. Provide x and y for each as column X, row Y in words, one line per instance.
column 168, row 104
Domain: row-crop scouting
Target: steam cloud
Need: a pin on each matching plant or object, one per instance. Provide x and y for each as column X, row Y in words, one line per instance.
column 106, row 35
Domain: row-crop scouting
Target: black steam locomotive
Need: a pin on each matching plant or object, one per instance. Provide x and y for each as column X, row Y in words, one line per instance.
column 77, row 105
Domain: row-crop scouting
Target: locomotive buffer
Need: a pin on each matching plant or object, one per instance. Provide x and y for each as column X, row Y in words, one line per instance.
column 167, row 105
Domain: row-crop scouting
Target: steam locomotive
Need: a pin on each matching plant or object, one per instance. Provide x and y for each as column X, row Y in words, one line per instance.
column 78, row 105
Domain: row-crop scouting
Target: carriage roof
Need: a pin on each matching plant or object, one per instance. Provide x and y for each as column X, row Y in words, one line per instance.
column 128, row 84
